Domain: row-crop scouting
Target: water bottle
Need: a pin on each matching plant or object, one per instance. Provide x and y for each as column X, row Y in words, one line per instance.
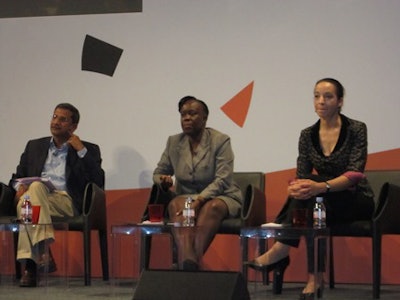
column 188, row 213
column 26, row 210
column 319, row 213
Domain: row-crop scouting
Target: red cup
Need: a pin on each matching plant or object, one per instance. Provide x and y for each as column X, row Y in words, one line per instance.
column 35, row 214
column 156, row 212
column 301, row 217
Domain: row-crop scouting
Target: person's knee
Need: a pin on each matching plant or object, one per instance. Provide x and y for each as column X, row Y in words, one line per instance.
column 215, row 208
column 174, row 206
column 37, row 186
column 38, row 192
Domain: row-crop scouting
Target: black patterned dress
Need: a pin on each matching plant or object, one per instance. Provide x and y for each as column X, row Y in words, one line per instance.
column 349, row 154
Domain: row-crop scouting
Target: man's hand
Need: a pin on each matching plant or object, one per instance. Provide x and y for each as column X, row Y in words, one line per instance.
column 75, row 142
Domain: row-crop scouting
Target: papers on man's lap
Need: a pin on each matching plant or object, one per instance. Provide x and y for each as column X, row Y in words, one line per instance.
column 44, row 180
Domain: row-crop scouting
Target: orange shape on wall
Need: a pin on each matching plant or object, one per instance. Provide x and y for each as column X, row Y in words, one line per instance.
column 236, row 108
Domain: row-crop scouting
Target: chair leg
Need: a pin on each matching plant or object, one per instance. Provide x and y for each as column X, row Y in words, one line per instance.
column 331, row 265
column 376, row 265
column 262, row 246
column 175, row 254
column 146, row 241
column 146, row 250
column 86, row 256
column 245, row 256
column 18, row 271
column 104, row 253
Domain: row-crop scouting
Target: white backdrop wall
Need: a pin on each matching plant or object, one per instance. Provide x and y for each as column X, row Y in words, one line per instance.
column 209, row 49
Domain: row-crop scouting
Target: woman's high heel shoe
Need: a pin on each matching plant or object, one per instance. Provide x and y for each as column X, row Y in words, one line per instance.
column 278, row 267
column 311, row 296
column 280, row 264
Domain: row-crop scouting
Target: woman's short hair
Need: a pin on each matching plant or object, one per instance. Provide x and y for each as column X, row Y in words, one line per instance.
column 189, row 98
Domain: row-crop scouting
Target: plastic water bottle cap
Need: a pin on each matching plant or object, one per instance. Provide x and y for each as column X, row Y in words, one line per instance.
column 320, row 199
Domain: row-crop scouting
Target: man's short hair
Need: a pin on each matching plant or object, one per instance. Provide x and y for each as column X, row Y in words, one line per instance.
column 75, row 112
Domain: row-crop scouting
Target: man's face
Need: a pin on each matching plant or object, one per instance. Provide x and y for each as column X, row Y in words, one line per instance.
column 193, row 118
column 61, row 125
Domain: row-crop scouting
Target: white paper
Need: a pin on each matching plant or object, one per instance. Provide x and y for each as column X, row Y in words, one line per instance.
column 271, row 225
column 147, row 222
column 29, row 180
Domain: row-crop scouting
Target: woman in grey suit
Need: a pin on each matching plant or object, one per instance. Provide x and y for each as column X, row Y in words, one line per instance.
column 201, row 159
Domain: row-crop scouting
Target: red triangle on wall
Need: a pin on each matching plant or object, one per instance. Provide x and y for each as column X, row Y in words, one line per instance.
column 236, row 108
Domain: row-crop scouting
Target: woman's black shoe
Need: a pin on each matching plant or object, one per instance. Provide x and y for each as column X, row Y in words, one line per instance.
column 280, row 264
column 190, row 265
column 278, row 267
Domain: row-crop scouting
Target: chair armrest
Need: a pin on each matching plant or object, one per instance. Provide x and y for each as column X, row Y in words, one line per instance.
column 94, row 206
column 387, row 213
column 253, row 209
column 7, row 206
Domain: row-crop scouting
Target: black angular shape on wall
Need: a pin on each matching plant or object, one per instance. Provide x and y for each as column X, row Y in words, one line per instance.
column 99, row 56
column 36, row 8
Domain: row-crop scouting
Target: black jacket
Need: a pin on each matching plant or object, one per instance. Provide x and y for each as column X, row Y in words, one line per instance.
column 79, row 171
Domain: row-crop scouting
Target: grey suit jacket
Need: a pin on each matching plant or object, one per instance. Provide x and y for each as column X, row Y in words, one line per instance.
column 209, row 173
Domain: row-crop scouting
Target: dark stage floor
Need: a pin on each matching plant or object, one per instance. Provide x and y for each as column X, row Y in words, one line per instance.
column 124, row 289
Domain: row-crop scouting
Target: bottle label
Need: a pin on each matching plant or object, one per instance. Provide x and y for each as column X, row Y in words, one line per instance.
column 188, row 213
column 26, row 212
column 188, row 217
column 319, row 217
column 319, row 214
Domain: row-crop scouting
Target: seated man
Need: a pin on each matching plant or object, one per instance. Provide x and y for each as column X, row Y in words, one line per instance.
column 70, row 164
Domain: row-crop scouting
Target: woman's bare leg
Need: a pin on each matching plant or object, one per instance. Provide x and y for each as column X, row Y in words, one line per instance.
column 276, row 253
column 313, row 283
column 209, row 219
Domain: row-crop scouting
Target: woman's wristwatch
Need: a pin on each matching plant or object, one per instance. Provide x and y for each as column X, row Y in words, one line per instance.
column 328, row 187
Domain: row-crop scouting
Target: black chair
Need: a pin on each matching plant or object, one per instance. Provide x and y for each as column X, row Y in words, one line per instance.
column 7, row 215
column 385, row 220
column 7, row 207
column 252, row 185
column 92, row 218
column 253, row 214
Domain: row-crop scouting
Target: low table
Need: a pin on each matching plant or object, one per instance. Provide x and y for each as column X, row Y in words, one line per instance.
column 9, row 241
column 316, row 235
column 140, row 235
